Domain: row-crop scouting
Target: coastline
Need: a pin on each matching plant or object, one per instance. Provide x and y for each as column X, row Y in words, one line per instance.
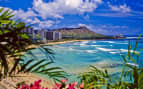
column 54, row 43
column 62, row 42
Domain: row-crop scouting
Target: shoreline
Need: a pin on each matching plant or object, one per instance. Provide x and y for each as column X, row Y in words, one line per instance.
column 63, row 42
column 59, row 42
column 54, row 43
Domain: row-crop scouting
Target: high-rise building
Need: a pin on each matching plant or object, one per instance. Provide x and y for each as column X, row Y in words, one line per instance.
column 52, row 35
column 57, row 36
column 43, row 35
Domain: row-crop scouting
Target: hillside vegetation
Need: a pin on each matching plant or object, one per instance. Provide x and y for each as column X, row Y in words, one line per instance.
column 79, row 33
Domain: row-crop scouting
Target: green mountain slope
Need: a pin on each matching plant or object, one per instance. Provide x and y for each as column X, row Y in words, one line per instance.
column 79, row 33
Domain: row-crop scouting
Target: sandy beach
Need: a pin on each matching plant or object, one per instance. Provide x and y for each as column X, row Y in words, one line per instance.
column 54, row 43
column 63, row 42
column 27, row 78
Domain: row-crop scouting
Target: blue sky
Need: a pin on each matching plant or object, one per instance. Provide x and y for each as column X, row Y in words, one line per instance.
column 108, row 17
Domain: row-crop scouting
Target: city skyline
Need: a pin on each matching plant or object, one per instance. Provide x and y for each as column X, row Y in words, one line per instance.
column 109, row 17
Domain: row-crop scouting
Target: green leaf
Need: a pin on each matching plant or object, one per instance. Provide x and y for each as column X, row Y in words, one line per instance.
column 41, row 66
column 136, row 44
column 140, row 81
column 49, row 69
column 123, row 69
column 133, row 60
column 5, row 21
column 24, row 36
column 129, row 50
column 34, row 65
column 137, row 54
column 26, row 64
column 124, row 58
column 1, row 9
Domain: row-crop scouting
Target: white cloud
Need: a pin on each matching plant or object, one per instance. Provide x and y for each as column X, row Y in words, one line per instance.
column 122, row 8
column 54, row 9
column 110, row 26
column 21, row 14
column 58, row 8
column 46, row 24
column 30, row 17
column 116, row 11
column 111, row 14
column 24, row 15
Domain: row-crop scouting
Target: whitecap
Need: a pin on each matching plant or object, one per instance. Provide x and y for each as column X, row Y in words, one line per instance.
column 94, row 42
column 91, row 51
column 108, row 41
column 97, row 45
column 105, row 49
column 70, row 48
column 124, row 50
column 83, row 43
column 113, row 52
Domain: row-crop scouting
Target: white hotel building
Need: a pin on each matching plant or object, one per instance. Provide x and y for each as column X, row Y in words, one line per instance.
column 44, row 34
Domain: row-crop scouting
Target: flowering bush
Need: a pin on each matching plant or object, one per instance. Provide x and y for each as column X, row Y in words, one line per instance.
column 62, row 85
column 36, row 85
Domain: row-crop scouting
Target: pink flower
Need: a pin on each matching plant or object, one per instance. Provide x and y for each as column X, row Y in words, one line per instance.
column 36, row 85
column 81, row 85
column 72, row 86
column 57, row 86
column 64, row 80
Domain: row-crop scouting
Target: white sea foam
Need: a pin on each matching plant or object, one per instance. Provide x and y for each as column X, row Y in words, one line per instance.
column 83, row 43
column 124, row 50
column 91, row 51
column 94, row 42
column 105, row 49
column 97, row 45
column 113, row 52
column 113, row 42
column 108, row 41
column 70, row 48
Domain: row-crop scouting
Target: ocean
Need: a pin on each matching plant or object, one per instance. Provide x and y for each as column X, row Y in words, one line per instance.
column 75, row 57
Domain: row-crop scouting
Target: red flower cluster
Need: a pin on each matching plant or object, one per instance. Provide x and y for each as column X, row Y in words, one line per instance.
column 63, row 85
column 36, row 85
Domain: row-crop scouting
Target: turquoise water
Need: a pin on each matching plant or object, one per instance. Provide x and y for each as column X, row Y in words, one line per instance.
column 76, row 57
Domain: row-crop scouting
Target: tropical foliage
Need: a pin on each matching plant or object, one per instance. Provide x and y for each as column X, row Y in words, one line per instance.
column 13, row 42
column 63, row 85
column 131, row 76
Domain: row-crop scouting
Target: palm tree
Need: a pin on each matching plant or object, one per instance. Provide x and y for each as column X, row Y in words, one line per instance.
column 13, row 41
